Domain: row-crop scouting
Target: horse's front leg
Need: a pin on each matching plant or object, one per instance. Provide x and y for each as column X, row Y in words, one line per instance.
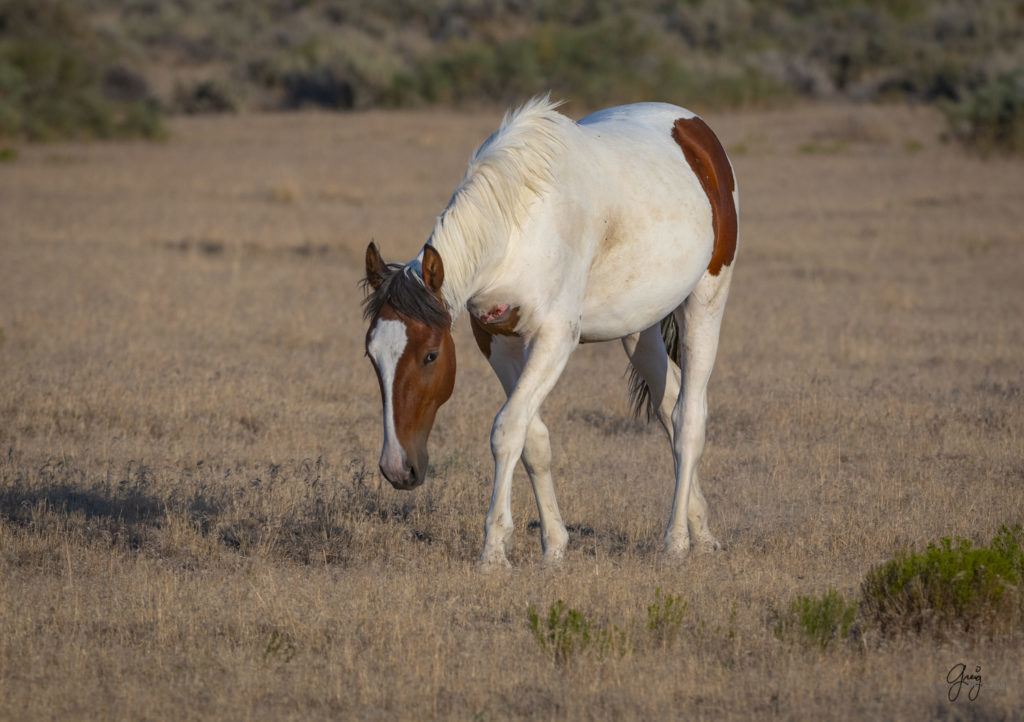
column 506, row 354
column 546, row 355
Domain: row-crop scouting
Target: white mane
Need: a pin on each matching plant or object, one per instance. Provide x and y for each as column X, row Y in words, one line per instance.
column 507, row 172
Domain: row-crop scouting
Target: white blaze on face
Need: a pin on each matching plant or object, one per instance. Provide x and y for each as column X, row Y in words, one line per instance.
column 387, row 343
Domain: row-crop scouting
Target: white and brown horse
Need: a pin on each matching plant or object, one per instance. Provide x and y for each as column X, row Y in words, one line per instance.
column 620, row 226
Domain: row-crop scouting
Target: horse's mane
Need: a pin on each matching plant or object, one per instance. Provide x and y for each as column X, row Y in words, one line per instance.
column 402, row 289
column 505, row 174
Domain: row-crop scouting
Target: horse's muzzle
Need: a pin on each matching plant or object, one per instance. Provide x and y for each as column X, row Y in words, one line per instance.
column 405, row 477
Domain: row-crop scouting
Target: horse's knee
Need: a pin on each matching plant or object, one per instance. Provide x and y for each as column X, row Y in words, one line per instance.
column 537, row 449
column 507, row 436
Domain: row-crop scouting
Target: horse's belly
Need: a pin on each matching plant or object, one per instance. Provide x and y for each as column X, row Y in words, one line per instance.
column 630, row 290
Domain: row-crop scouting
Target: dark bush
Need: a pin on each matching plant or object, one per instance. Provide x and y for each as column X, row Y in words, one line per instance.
column 206, row 96
column 990, row 117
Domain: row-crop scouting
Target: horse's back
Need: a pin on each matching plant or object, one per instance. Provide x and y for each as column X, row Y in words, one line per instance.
column 637, row 115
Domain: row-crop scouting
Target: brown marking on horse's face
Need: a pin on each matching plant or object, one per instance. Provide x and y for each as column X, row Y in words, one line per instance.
column 707, row 159
column 417, row 360
column 424, row 378
column 423, row 382
column 502, row 323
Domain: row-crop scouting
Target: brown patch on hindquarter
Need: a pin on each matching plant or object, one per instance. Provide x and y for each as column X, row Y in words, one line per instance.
column 484, row 332
column 707, row 159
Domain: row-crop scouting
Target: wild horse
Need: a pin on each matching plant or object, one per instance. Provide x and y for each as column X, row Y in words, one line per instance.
column 620, row 226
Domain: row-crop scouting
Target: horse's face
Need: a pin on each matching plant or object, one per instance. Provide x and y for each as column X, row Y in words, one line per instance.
column 414, row 359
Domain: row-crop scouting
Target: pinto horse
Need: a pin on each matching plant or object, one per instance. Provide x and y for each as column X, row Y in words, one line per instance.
column 622, row 225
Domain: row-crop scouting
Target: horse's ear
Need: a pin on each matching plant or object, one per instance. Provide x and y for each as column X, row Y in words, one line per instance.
column 375, row 267
column 433, row 269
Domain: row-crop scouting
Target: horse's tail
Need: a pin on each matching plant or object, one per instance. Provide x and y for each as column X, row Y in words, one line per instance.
column 639, row 391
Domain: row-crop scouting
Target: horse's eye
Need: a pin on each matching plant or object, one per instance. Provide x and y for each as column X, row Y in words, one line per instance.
column 430, row 358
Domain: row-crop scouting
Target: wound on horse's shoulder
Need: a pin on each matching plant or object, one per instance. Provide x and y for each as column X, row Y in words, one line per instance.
column 498, row 321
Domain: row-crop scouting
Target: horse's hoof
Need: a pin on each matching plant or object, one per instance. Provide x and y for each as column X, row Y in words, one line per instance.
column 677, row 550
column 553, row 558
column 710, row 545
column 494, row 562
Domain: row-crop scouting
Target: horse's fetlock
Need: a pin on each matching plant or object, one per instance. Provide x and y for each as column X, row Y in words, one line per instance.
column 554, row 542
column 677, row 544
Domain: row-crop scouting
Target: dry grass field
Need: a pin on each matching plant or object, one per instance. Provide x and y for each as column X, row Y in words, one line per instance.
column 192, row 525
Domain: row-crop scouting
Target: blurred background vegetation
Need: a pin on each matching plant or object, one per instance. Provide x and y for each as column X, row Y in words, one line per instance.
column 105, row 68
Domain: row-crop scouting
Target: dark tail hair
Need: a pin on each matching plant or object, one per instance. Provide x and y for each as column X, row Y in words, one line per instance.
column 639, row 392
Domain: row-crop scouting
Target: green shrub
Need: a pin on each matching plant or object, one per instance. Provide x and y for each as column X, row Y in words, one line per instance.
column 565, row 633
column 206, row 96
column 665, row 617
column 818, row 621
column 952, row 586
column 990, row 117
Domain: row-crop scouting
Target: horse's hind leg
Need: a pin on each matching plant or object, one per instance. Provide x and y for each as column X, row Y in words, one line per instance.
column 700, row 320
column 647, row 354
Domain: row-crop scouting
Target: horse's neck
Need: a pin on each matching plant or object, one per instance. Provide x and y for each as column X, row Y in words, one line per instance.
column 465, row 270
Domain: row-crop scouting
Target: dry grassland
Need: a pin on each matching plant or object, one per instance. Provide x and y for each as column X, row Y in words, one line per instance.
column 191, row 521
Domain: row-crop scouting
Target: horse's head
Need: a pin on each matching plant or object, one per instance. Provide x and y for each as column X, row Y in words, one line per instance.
column 409, row 342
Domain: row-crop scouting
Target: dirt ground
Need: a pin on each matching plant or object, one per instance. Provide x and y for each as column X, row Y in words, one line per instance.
column 191, row 521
